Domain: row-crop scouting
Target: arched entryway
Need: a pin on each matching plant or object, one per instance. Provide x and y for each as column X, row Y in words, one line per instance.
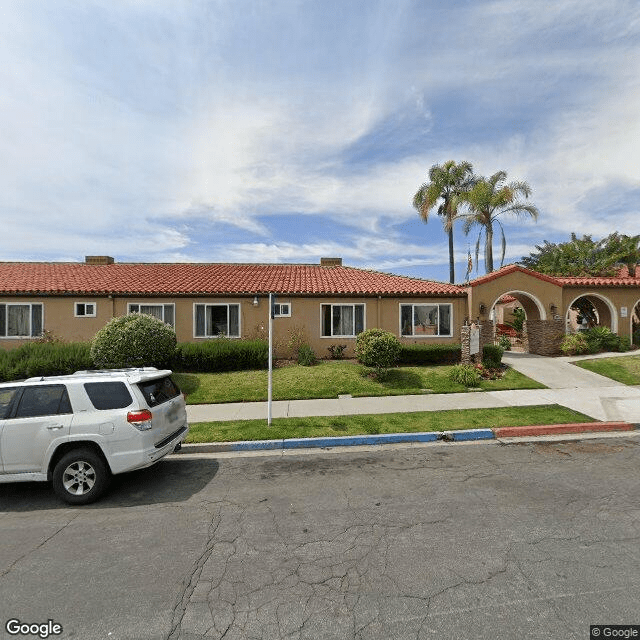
column 591, row 310
column 635, row 324
column 512, row 315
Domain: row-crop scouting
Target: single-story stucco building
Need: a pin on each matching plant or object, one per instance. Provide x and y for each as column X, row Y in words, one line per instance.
column 328, row 303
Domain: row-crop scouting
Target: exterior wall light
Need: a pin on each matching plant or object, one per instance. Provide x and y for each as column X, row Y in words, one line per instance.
column 482, row 308
column 255, row 301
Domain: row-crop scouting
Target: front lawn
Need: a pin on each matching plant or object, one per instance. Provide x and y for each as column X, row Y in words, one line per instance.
column 329, row 379
column 237, row 430
column 625, row 369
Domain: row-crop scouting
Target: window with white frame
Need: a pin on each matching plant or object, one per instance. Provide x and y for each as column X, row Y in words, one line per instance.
column 18, row 320
column 164, row 312
column 342, row 320
column 85, row 309
column 282, row 310
column 216, row 320
column 425, row 320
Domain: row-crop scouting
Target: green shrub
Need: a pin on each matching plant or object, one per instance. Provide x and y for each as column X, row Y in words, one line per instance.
column 429, row 354
column 575, row 344
column 465, row 374
column 603, row 339
column 44, row 359
column 505, row 343
column 306, row 356
column 136, row 340
column 221, row 354
column 337, row 351
column 377, row 348
column 492, row 355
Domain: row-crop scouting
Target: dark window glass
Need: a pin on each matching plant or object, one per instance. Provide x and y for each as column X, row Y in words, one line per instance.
column 108, row 395
column 156, row 392
column 7, row 396
column 3, row 319
column 43, row 401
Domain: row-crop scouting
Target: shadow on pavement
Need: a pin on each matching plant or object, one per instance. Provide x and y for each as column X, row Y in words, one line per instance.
column 171, row 480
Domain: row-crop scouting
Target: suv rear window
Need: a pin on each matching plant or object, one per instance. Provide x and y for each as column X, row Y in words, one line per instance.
column 156, row 392
column 108, row 395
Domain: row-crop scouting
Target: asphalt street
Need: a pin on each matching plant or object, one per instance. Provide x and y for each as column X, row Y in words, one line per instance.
column 471, row 541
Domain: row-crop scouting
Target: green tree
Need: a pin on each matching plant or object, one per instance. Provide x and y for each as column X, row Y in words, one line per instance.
column 486, row 201
column 585, row 256
column 446, row 184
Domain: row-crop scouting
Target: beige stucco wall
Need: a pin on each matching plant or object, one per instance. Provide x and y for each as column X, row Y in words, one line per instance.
column 305, row 318
column 488, row 293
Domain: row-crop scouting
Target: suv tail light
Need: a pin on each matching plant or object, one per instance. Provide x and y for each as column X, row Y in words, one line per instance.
column 141, row 420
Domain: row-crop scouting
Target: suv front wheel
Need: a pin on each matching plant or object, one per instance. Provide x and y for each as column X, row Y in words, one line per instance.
column 80, row 477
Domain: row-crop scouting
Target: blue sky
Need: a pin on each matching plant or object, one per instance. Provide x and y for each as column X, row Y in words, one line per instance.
column 287, row 130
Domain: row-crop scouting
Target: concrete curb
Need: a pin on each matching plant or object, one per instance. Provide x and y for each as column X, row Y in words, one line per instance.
column 395, row 438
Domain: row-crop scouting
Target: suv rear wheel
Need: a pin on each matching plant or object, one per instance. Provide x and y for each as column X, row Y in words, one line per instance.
column 80, row 477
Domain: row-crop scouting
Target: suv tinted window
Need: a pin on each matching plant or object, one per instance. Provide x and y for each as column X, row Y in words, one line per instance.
column 43, row 401
column 158, row 391
column 108, row 395
column 6, row 398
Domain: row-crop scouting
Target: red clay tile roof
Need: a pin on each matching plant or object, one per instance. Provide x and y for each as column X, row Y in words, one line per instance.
column 209, row 279
column 511, row 268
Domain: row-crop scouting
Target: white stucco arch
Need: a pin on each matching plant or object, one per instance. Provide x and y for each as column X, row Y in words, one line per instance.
column 534, row 299
column 592, row 294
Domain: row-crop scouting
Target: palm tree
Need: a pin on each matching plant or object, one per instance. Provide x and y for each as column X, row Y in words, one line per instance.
column 446, row 183
column 488, row 199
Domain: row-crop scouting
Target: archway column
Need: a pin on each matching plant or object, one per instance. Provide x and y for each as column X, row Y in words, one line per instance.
column 544, row 336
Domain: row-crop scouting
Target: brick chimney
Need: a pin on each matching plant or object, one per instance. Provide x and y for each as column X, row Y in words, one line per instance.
column 330, row 262
column 98, row 260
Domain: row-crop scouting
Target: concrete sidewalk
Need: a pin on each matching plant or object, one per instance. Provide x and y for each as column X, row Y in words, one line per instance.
column 569, row 386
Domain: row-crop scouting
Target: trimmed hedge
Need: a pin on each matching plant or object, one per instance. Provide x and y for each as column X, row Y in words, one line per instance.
column 427, row 354
column 221, row 355
column 492, row 355
column 44, row 359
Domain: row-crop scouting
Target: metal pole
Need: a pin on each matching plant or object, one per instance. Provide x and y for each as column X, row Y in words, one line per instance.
column 270, row 383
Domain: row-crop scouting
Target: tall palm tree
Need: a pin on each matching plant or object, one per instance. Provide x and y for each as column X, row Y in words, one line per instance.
column 486, row 201
column 446, row 183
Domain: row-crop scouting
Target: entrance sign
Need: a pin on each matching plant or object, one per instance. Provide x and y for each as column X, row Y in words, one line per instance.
column 623, row 312
column 474, row 346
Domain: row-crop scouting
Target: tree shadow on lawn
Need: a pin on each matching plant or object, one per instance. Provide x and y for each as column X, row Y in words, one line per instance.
column 401, row 379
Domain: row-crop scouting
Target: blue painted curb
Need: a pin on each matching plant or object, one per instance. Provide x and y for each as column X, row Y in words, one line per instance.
column 311, row 443
column 352, row 441
column 471, row 434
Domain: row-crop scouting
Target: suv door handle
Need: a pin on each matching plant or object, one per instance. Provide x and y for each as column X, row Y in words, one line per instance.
column 54, row 427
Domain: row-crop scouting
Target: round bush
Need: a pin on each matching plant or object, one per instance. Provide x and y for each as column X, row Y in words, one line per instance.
column 136, row 340
column 377, row 348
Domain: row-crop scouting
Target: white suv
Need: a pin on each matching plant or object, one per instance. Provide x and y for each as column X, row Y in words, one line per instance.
column 79, row 429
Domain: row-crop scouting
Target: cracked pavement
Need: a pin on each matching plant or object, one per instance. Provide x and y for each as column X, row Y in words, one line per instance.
column 441, row 541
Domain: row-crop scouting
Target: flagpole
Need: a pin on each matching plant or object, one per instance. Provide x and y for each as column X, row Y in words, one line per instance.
column 270, row 381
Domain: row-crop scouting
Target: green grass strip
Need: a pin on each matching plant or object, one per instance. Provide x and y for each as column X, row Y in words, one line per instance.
column 625, row 369
column 237, row 430
column 329, row 379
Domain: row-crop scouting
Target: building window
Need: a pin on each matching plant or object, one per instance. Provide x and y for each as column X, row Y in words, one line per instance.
column 21, row 320
column 216, row 320
column 164, row 312
column 282, row 310
column 85, row 310
column 425, row 320
column 342, row 320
